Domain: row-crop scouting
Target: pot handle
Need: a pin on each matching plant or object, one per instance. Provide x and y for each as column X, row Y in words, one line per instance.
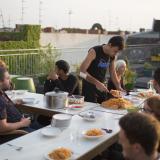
column 56, row 89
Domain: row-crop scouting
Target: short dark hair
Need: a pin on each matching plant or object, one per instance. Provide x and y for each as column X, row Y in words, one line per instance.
column 156, row 76
column 61, row 64
column 117, row 41
column 2, row 72
column 154, row 104
column 143, row 129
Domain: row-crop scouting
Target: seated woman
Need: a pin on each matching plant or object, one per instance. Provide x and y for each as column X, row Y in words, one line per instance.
column 61, row 79
column 10, row 118
column 120, row 67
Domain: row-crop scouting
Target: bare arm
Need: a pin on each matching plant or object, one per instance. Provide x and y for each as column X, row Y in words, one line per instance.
column 6, row 127
column 113, row 75
column 84, row 66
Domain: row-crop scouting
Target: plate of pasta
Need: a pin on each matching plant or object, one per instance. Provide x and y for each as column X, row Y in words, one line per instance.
column 93, row 133
column 117, row 103
column 60, row 153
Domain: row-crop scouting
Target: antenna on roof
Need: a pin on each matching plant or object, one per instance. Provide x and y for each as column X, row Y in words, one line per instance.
column 40, row 11
column 2, row 19
column 69, row 15
column 22, row 11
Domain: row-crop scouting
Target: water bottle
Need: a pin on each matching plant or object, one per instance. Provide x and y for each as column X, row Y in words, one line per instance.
column 151, row 87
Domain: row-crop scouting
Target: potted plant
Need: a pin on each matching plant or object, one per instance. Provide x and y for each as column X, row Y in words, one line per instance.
column 129, row 77
column 48, row 57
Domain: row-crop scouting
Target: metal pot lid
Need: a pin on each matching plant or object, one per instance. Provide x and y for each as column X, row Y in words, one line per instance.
column 53, row 93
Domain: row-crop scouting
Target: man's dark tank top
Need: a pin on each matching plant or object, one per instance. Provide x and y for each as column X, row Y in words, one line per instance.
column 99, row 65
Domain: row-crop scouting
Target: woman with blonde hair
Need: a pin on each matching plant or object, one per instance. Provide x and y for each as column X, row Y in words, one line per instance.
column 120, row 67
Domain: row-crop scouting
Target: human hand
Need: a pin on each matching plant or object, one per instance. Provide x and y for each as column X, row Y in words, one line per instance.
column 18, row 101
column 25, row 122
column 100, row 86
column 52, row 75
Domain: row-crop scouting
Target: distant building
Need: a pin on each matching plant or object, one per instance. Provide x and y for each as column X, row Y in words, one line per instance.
column 149, row 37
column 49, row 30
column 6, row 29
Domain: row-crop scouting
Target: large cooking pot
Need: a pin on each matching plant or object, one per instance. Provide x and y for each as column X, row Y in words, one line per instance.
column 56, row 99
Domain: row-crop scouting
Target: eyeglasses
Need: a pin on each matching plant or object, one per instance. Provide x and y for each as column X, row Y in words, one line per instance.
column 147, row 110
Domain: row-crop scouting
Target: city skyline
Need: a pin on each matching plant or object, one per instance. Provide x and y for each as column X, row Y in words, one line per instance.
column 112, row 15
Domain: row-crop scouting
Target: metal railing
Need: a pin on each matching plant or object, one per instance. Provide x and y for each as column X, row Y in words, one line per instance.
column 34, row 61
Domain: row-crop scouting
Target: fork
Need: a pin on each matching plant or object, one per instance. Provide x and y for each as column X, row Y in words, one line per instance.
column 107, row 130
column 18, row 148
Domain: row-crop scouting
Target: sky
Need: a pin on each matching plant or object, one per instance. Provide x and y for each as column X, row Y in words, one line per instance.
column 111, row 14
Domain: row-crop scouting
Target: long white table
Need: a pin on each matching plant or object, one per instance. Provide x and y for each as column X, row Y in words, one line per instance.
column 35, row 145
column 39, row 106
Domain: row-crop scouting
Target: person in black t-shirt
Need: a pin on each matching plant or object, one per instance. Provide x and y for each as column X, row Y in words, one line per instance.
column 10, row 118
column 61, row 79
column 94, row 67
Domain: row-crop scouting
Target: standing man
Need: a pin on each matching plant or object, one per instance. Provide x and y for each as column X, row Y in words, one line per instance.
column 94, row 68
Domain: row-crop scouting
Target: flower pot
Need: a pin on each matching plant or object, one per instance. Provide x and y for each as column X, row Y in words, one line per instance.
column 129, row 86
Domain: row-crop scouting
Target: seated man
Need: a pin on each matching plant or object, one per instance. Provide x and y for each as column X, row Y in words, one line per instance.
column 156, row 80
column 139, row 136
column 61, row 79
column 10, row 118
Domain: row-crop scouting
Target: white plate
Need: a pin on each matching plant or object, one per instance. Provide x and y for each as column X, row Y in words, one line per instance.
column 9, row 92
column 28, row 100
column 93, row 137
column 133, row 93
column 48, row 158
column 89, row 119
column 142, row 90
column 50, row 131
column 86, row 116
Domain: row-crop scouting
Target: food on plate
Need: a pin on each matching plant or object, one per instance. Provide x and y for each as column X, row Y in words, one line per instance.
column 117, row 103
column 116, row 93
column 146, row 94
column 60, row 154
column 94, row 132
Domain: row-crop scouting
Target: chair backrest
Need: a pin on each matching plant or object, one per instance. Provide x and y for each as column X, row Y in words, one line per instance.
column 26, row 83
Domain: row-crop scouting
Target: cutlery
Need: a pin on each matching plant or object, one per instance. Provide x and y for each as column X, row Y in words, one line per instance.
column 107, row 130
column 18, row 148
